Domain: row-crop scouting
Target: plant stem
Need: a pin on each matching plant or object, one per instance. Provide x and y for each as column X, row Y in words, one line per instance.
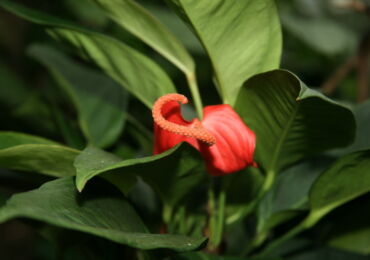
column 308, row 222
column 192, row 82
column 217, row 217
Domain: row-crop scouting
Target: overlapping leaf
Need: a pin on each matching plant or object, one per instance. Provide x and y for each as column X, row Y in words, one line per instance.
column 123, row 63
column 30, row 153
column 290, row 120
column 242, row 38
column 134, row 18
column 100, row 102
column 347, row 179
column 171, row 174
column 111, row 217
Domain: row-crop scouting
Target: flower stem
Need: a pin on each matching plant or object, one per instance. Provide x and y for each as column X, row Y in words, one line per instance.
column 192, row 82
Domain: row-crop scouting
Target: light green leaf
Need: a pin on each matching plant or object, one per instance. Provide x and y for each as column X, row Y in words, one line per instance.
column 171, row 174
column 291, row 121
column 30, row 153
column 346, row 180
column 123, row 63
column 135, row 19
column 101, row 103
column 111, row 217
column 242, row 38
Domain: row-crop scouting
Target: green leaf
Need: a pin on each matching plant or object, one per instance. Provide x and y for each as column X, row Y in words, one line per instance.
column 135, row 19
column 101, row 103
column 30, row 153
column 326, row 254
column 242, row 38
column 322, row 34
column 349, row 228
column 171, row 174
column 346, row 180
column 290, row 192
column 93, row 161
column 111, row 217
column 242, row 189
column 123, row 63
column 362, row 140
column 204, row 256
column 290, row 120
column 177, row 26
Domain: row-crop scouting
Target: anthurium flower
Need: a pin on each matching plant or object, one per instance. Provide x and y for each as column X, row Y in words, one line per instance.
column 225, row 142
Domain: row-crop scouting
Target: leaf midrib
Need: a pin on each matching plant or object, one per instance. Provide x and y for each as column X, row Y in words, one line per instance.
column 281, row 141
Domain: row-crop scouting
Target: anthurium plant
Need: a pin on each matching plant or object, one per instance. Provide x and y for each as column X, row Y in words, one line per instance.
column 135, row 144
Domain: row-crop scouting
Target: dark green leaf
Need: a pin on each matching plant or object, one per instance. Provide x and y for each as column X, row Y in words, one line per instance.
column 347, row 179
column 93, row 161
column 59, row 203
column 123, row 63
column 30, row 153
column 349, row 227
column 362, row 140
column 171, row 174
column 290, row 120
column 242, row 38
column 204, row 256
column 242, row 188
column 100, row 102
column 290, row 192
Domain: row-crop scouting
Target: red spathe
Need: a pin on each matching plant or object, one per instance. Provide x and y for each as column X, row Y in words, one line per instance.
column 235, row 142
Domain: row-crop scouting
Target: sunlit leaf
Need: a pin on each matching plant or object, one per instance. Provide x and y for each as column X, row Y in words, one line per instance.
column 135, row 19
column 242, row 38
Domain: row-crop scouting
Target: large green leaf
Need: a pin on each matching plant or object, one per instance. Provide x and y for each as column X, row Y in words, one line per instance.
column 290, row 120
column 347, row 179
column 30, row 153
column 242, row 38
column 112, row 217
column 171, row 174
column 123, row 63
column 100, row 101
column 134, row 18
